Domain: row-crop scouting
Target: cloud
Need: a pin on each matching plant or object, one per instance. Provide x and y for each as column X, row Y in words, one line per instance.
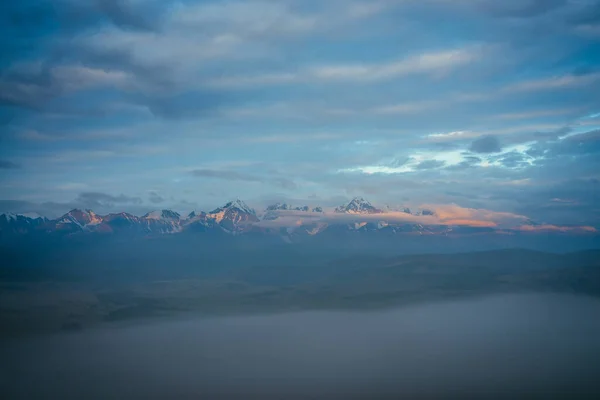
column 226, row 175
column 252, row 18
column 430, row 164
column 486, row 144
column 96, row 199
column 52, row 209
column 420, row 63
column 123, row 14
column 5, row 164
column 230, row 175
column 448, row 214
column 555, row 228
column 308, row 88
column 424, row 63
column 32, row 85
column 155, row 198
column 520, row 8
column 513, row 159
column 586, row 143
column 468, row 162
column 406, row 108
column 536, row 114
column 557, row 82
column 588, row 14
column 274, row 19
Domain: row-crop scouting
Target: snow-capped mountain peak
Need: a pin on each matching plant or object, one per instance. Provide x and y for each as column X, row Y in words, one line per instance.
column 358, row 205
column 162, row 221
column 196, row 214
column 163, row 214
column 80, row 217
column 233, row 215
column 9, row 217
column 13, row 217
column 236, row 204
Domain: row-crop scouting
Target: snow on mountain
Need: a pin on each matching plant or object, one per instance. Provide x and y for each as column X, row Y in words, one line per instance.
column 163, row 214
column 198, row 221
column 20, row 224
column 15, row 217
column 75, row 221
column 79, row 217
column 358, row 217
column 358, row 205
column 161, row 221
column 237, row 205
column 194, row 216
column 11, row 217
column 120, row 223
column 272, row 212
column 234, row 216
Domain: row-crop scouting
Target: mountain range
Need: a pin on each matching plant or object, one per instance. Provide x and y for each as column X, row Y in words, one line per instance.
column 290, row 223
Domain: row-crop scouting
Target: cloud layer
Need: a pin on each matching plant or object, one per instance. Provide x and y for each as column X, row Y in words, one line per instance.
column 489, row 105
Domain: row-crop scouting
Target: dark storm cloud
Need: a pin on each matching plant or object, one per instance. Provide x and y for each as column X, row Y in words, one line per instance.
column 5, row 164
column 486, row 144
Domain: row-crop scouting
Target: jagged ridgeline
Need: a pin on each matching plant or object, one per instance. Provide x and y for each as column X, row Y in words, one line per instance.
column 284, row 221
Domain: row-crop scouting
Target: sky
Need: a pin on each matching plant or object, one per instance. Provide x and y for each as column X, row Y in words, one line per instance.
column 135, row 105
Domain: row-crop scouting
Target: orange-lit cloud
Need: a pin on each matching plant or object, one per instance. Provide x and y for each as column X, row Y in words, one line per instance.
column 452, row 214
column 471, row 222
column 556, row 228
column 444, row 214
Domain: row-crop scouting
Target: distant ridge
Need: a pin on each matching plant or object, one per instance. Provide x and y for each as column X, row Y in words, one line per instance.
column 289, row 222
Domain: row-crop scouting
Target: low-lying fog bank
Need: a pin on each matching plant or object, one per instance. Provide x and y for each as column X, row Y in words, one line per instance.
column 505, row 345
